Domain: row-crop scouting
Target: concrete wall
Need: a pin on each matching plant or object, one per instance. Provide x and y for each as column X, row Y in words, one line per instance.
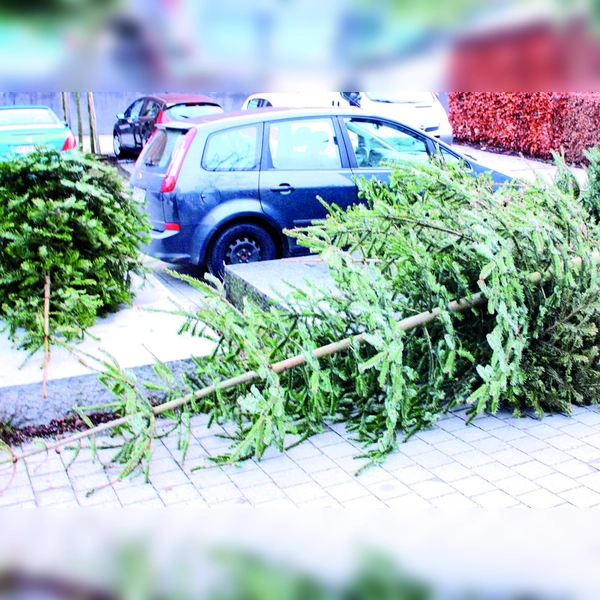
column 443, row 96
column 107, row 104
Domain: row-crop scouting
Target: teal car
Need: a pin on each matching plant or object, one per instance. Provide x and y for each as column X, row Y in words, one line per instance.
column 24, row 127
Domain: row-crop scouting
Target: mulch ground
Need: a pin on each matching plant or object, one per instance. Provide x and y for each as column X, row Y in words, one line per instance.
column 56, row 429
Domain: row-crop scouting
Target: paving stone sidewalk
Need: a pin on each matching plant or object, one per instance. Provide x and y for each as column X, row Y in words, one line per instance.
column 496, row 462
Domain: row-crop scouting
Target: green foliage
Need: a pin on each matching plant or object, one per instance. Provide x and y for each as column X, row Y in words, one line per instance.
column 134, row 570
column 591, row 195
column 68, row 216
column 378, row 577
column 565, row 180
column 434, row 235
column 52, row 11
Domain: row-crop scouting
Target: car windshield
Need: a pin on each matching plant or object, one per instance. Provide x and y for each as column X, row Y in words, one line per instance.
column 400, row 97
column 9, row 117
column 189, row 111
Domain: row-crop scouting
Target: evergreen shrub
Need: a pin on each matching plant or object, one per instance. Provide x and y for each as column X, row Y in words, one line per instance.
column 70, row 218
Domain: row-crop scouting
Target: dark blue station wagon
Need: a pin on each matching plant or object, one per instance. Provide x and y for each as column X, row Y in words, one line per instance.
column 220, row 189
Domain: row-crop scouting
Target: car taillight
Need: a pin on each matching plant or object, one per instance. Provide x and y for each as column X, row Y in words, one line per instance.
column 170, row 180
column 172, row 227
column 161, row 118
column 70, row 143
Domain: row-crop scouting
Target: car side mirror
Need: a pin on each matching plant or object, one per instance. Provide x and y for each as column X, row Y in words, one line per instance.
column 121, row 116
column 353, row 98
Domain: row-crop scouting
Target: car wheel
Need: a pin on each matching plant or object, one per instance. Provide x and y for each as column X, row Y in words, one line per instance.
column 244, row 243
column 117, row 145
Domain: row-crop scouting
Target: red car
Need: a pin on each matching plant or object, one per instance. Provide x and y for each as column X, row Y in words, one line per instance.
column 137, row 123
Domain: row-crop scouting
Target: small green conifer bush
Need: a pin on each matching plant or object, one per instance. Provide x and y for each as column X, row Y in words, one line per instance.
column 67, row 219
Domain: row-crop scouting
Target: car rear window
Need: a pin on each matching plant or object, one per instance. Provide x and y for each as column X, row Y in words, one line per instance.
column 159, row 151
column 27, row 116
column 178, row 112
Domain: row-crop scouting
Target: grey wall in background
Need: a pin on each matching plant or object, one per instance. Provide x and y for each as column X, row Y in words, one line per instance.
column 107, row 104
column 443, row 96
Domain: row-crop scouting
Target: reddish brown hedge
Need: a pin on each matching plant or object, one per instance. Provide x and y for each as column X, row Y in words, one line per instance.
column 534, row 123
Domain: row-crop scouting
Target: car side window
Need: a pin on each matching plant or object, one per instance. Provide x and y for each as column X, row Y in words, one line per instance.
column 453, row 159
column 376, row 143
column 134, row 110
column 151, row 109
column 232, row 150
column 304, row 144
column 254, row 103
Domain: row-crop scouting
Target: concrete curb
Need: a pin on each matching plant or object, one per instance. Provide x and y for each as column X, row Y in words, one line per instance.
column 134, row 337
column 23, row 405
column 265, row 282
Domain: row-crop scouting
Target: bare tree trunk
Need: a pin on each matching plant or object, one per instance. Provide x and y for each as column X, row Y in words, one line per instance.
column 63, row 99
column 46, row 334
column 79, row 119
column 94, row 142
column 67, row 109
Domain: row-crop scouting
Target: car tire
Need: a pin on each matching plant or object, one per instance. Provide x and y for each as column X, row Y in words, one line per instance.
column 117, row 145
column 243, row 243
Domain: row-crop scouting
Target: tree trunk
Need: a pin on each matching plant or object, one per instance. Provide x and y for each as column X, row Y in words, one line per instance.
column 79, row 119
column 63, row 99
column 68, row 107
column 94, row 142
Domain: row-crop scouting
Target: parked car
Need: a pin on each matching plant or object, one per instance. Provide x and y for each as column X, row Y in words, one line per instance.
column 23, row 127
column 421, row 110
column 137, row 123
column 220, row 189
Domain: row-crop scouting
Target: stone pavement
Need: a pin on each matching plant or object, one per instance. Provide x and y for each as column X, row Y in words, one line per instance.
column 496, row 462
column 526, row 169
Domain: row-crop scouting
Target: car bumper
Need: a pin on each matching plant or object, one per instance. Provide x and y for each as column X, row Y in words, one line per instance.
column 168, row 246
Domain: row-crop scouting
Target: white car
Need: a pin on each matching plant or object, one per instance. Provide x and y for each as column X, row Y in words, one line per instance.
column 421, row 110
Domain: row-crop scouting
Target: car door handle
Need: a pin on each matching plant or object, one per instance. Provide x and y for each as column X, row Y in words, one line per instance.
column 283, row 188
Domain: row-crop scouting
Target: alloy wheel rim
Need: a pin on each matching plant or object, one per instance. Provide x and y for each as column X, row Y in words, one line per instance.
column 243, row 250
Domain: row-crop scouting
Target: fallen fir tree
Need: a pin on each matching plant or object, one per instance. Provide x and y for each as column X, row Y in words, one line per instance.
column 525, row 337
